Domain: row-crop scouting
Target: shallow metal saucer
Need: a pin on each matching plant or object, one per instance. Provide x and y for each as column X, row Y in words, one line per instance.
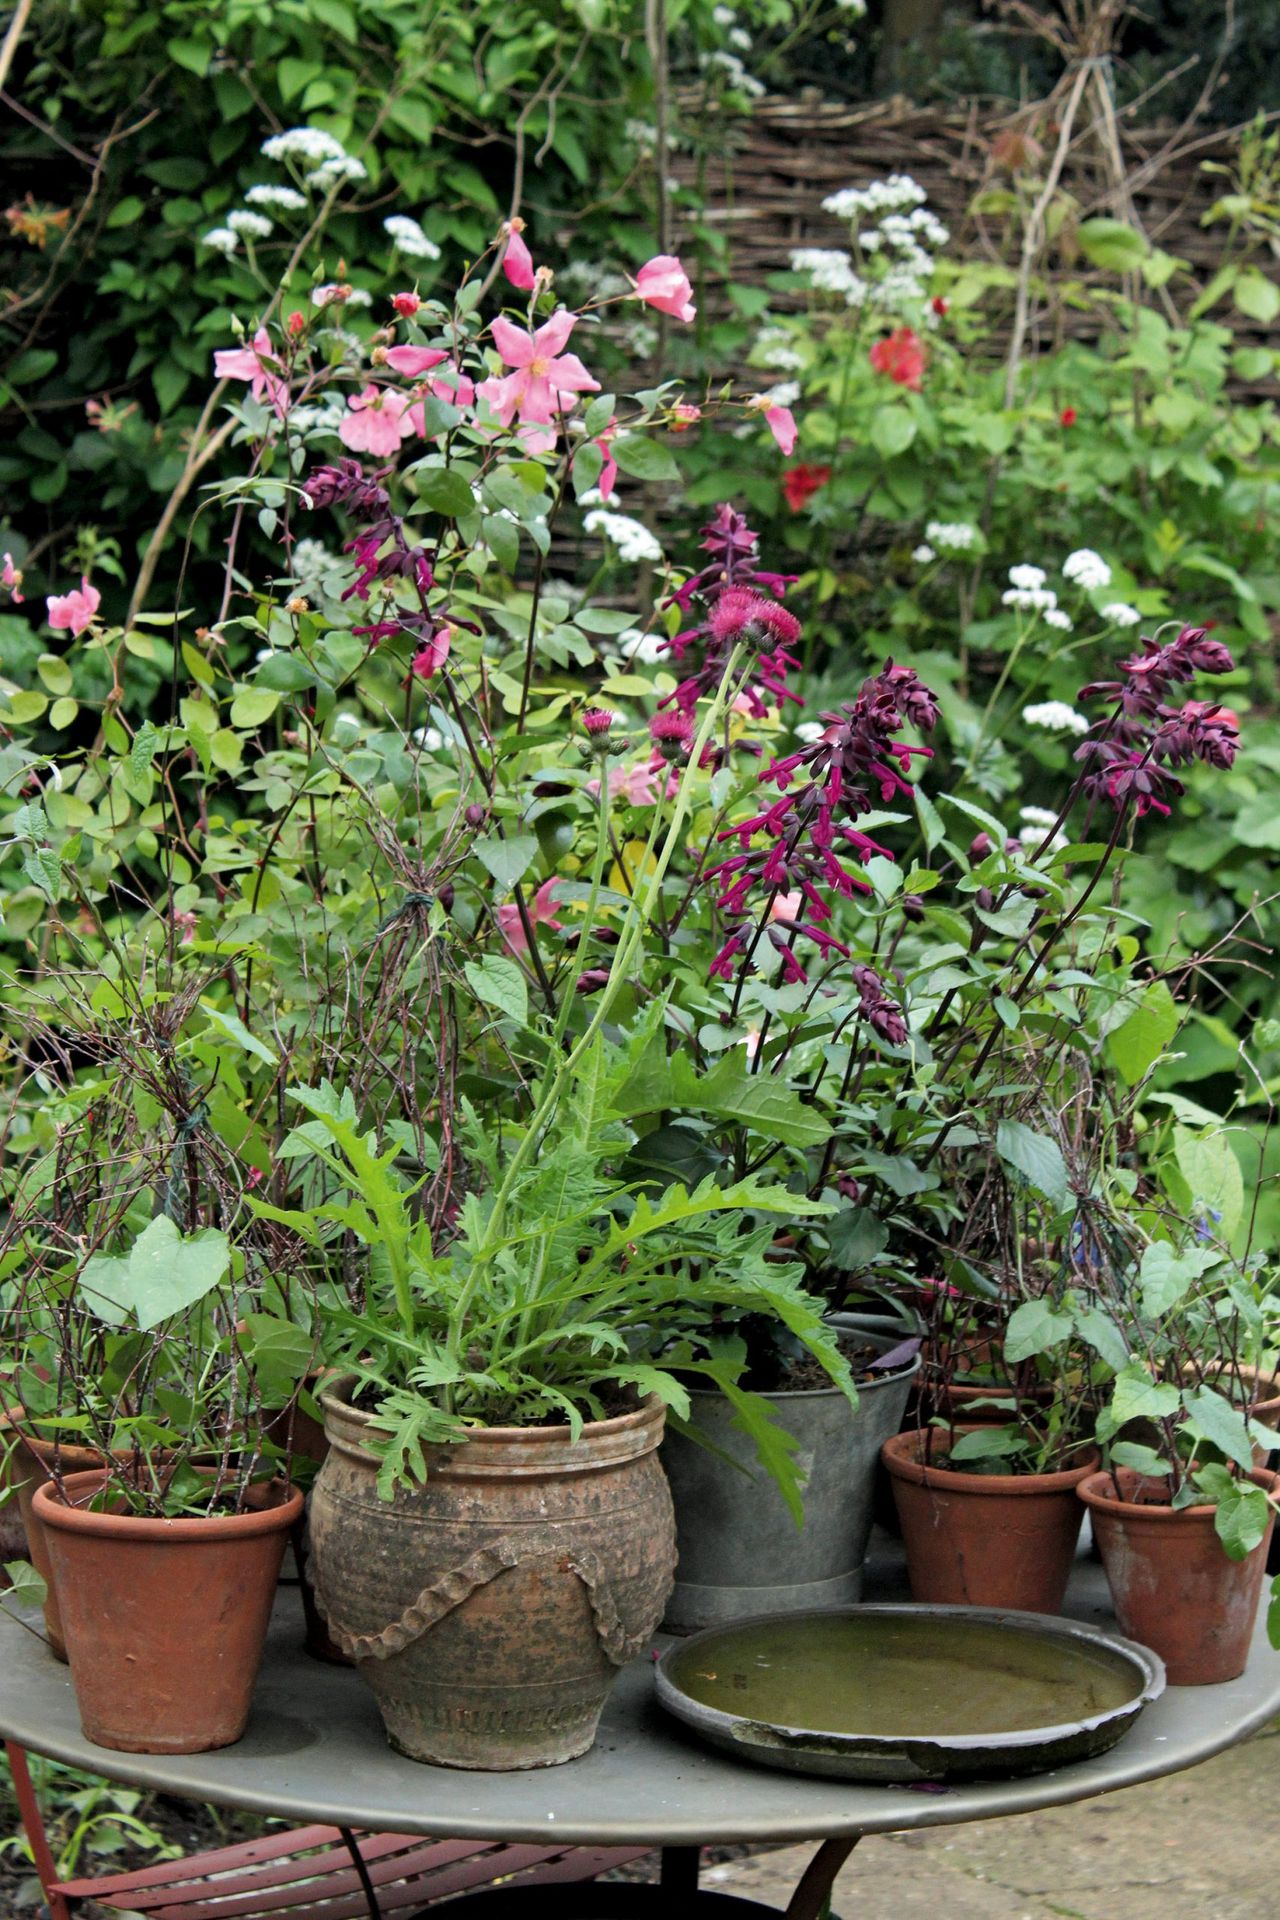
column 913, row 1753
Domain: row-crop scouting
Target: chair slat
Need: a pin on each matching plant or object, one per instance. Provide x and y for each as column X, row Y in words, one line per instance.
column 381, row 1853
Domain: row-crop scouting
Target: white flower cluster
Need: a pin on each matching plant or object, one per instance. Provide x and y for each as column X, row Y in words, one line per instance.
column 631, row 537
column 1056, row 617
column 923, row 554
column 1086, row 569
column 304, row 143
column 409, row 237
column 1055, row 716
column 953, row 536
column 808, row 731
column 593, row 278
column 283, row 199
column 785, row 394
column 737, row 36
column 1035, row 821
column 773, row 349
column 830, row 272
column 1028, row 593
column 646, row 649
column 312, row 562
column 858, row 8
column 221, row 240
column 734, row 72
column 250, row 226
column 882, row 196
column 336, row 292
column 1121, row 614
column 348, row 168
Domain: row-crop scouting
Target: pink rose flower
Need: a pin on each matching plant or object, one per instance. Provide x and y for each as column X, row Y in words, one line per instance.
column 663, row 283
column 545, row 379
column 376, row 423
column 248, row 363
column 517, row 261
column 542, row 912
column 432, row 654
column 74, row 611
column 12, row 578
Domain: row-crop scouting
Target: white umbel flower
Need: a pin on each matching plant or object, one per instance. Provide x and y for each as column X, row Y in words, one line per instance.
column 1056, row 617
column 808, row 731
column 1055, row 716
column 1030, row 599
column 1086, row 569
column 409, row 237
column 644, row 649
column 632, row 538
column 304, row 143
column 1027, row 577
column 345, row 168
column 953, row 536
column 1121, row 614
column 923, row 554
column 252, row 226
column 221, row 240
column 283, row 199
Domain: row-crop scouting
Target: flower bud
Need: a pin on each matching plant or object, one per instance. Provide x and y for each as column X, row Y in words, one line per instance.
column 475, row 814
column 985, row 898
column 592, row 979
column 980, row 846
column 912, row 907
column 405, row 304
column 445, row 896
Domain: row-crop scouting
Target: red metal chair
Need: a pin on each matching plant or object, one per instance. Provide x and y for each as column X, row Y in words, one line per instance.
column 309, row 1873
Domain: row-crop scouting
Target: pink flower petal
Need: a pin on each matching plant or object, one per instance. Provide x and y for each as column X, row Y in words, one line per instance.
column 414, row 360
column 781, row 424
column 663, row 283
column 517, row 261
column 553, row 334
column 517, row 348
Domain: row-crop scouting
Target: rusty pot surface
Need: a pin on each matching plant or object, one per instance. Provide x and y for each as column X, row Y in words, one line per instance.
column 165, row 1620
column 491, row 1609
column 1172, row 1586
column 985, row 1539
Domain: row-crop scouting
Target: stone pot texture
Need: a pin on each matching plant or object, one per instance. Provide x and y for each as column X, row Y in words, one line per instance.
column 1172, row 1586
column 491, row 1609
column 985, row 1539
column 739, row 1550
column 165, row 1620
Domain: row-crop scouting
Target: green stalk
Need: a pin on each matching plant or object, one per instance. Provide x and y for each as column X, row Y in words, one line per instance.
column 597, row 876
column 640, row 913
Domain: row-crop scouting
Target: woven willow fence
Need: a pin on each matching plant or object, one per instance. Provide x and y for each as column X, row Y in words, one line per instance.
column 765, row 180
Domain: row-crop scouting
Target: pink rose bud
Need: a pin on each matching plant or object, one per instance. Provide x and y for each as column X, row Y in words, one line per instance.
column 405, row 304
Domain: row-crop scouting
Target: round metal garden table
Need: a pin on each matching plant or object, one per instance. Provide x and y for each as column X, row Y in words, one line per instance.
column 315, row 1751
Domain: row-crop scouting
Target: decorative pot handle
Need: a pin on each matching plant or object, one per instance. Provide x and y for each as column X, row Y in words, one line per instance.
column 452, row 1588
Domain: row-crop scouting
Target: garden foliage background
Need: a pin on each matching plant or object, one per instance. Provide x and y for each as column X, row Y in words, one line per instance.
column 1081, row 384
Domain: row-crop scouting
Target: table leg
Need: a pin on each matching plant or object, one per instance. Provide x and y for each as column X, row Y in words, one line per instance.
column 809, row 1901
column 679, row 1874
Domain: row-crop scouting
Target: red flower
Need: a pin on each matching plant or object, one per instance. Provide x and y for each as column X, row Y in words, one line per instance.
column 297, row 322
column 800, row 483
column 1068, row 417
column 938, row 304
column 405, row 304
column 901, row 356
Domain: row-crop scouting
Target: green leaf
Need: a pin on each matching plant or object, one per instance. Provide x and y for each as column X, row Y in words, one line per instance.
column 163, row 1273
column 194, row 55
column 892, row 431
column 856, row 1236
column 1222, row 1425
column 1100, row 1331
column 236, row 1030
column 1136, row 1396
column 1256, row 296
column 256, row 704
column 758, row 1100
column 26, row 1587
column 1036, row 1326
column 445, row 490
column 507, row 860
column 1241, row 1520
column 1036, row 1157
column 1136, row 1045
column 1211, row 1170
column 1112, row 245
column 499, row 983
column 643, row 458
column 1167, row 1275
column 62, row 713
column 988, row 1443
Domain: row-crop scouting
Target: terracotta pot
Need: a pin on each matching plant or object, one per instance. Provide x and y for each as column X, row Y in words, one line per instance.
column 491, row 1609
column 165, row 1620
column 1172, row 1585
column 28, row 1471
column 985, row 1539
column 951, row 1392
column 13, row 1535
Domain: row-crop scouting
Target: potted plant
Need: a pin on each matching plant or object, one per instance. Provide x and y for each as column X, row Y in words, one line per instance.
column 1181, row 1511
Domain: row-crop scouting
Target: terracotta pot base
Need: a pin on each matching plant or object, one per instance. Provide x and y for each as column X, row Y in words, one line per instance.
column 165, row 1620
column 985, row 1540
column 1171, row 1584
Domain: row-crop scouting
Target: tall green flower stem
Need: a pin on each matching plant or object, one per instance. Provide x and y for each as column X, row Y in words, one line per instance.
column 984, row 729
column 639, row 915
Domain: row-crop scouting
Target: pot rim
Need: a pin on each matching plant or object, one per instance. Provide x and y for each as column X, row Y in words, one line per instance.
column 69, row 1518
column 336, row 1399
column 888, row 1343
column 902, row 1465
column 1090, row 1491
